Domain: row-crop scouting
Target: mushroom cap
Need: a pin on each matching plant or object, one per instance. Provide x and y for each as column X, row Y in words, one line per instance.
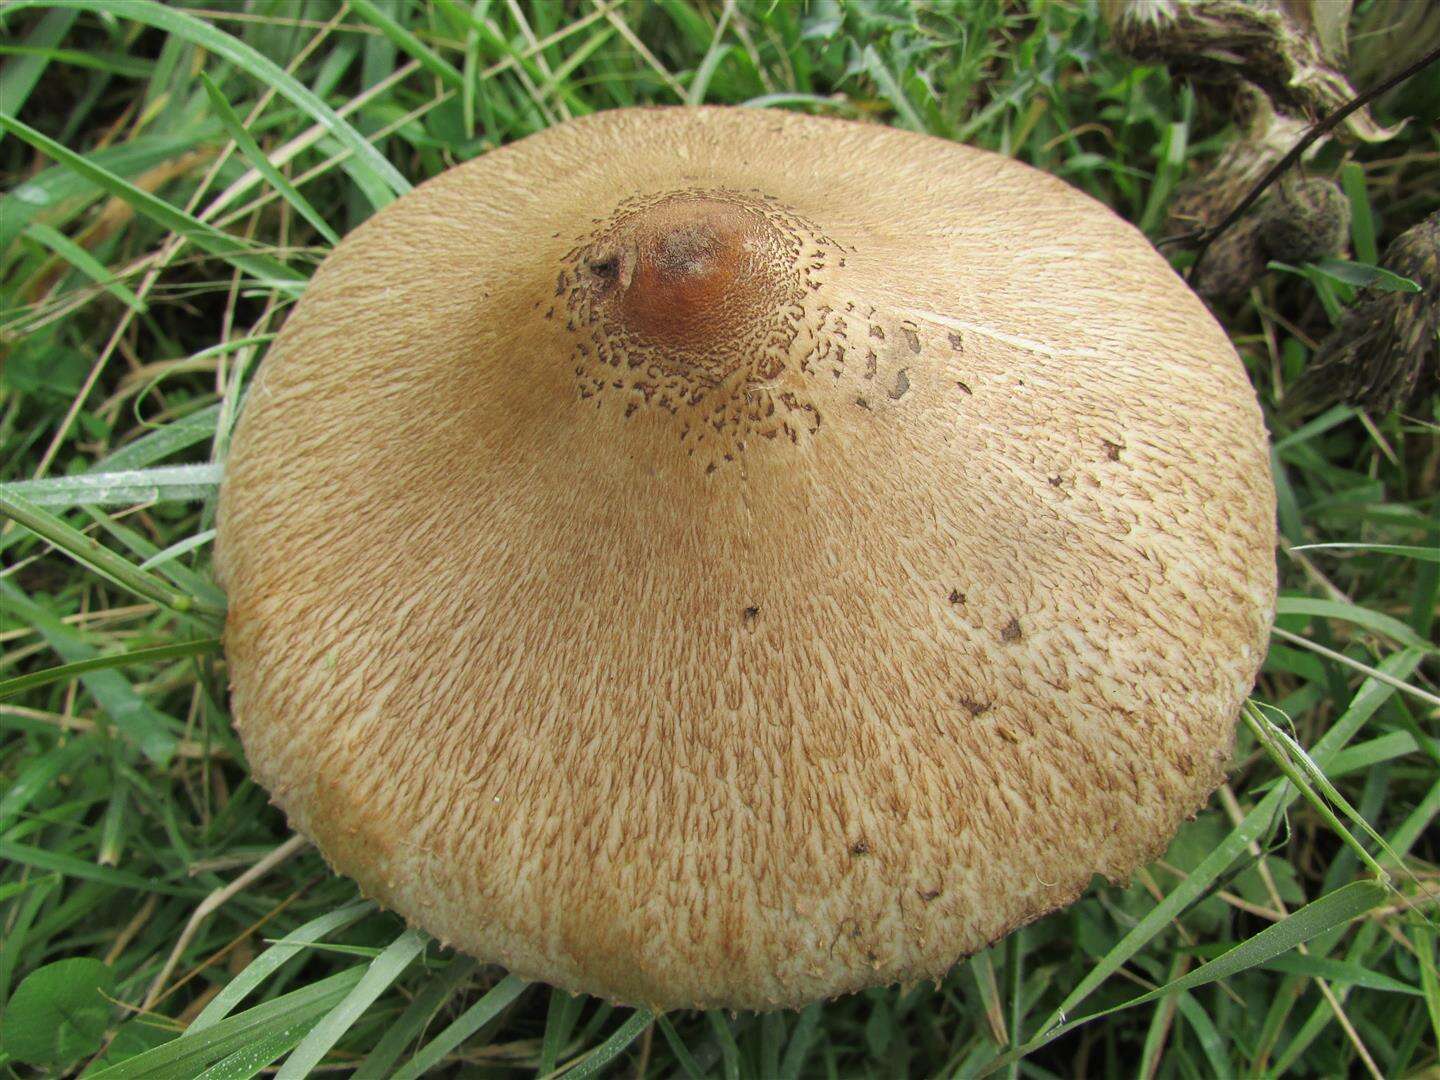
column 718, row 557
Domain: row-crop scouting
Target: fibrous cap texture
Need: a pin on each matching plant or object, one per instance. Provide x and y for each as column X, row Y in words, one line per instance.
column 713, row 557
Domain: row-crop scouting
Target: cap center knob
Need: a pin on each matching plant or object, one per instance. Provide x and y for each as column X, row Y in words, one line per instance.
column 689, row 273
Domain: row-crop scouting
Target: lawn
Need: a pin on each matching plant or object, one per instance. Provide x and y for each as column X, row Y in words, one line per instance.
column 172, row 177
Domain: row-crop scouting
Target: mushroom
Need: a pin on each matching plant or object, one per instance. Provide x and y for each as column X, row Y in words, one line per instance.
column 717, row 557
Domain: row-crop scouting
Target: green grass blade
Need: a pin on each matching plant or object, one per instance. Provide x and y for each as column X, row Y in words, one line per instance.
column 380, row 1062
column 270, row 961
column 1340, row 972
column 254, row 1058
column 408, row 43
column 262, row 267
column 173, row 21
column 84, row 262
column 687, row 1061
column 383, row 970
column 891, row 90
column 25, row 855
column 182, row 1058
column 175, row 436
column 1352, row 613
column 20, row 76
column 35, row 777
column 1408, row 551
column 715, row 53
column 170, row 483
column 126, row 349
column 801, row 1041
column 1362, row 221
column 1306, row 776
column 600, row 1058
column 469, row 1022
column 65, row 672
column 256, row 156
column 180, row 547
column 101, row 560
column 1206, row 1033
column 188, row 581
column 155, row 734
column 563, row 1011
column 729, row 1048
column 1369, row 698
column 58, row 194
column 1334, row 909
column 1424, row 935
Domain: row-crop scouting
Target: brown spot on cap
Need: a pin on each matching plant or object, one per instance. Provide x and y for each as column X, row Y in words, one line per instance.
column 901, row 386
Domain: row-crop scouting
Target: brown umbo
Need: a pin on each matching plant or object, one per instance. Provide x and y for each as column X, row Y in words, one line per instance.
column 594, row 530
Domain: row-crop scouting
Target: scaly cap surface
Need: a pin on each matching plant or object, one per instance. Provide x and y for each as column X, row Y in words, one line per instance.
column 712, row 557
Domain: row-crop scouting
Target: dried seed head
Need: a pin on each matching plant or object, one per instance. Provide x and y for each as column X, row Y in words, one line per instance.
column 1223, row 41
column 1266, row 136
column 1304, row 220
column 1385, row 352
column 1233, row 264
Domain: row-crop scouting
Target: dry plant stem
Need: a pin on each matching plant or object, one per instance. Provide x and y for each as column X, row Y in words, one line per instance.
column 646, row 1042
column 197, row 1005
column 198, row 301
column 1374, row 673
column 1379, row 439
column 241, row 938
column 330, row 162
column 984, row 972
column 744, row 35
column 1319, row 130
column 518, row 14
column 133, row 927
column 293, row 147
column 211, row 903
column 90, row 620
column 1157, row 894
column 1314, row 572
column 1380, row 914
column 1236, row 813
column 116, row 214
column 1241, row 904
column 639, row 46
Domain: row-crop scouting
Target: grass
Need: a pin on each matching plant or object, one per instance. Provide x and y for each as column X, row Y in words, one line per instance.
column 173, row 176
